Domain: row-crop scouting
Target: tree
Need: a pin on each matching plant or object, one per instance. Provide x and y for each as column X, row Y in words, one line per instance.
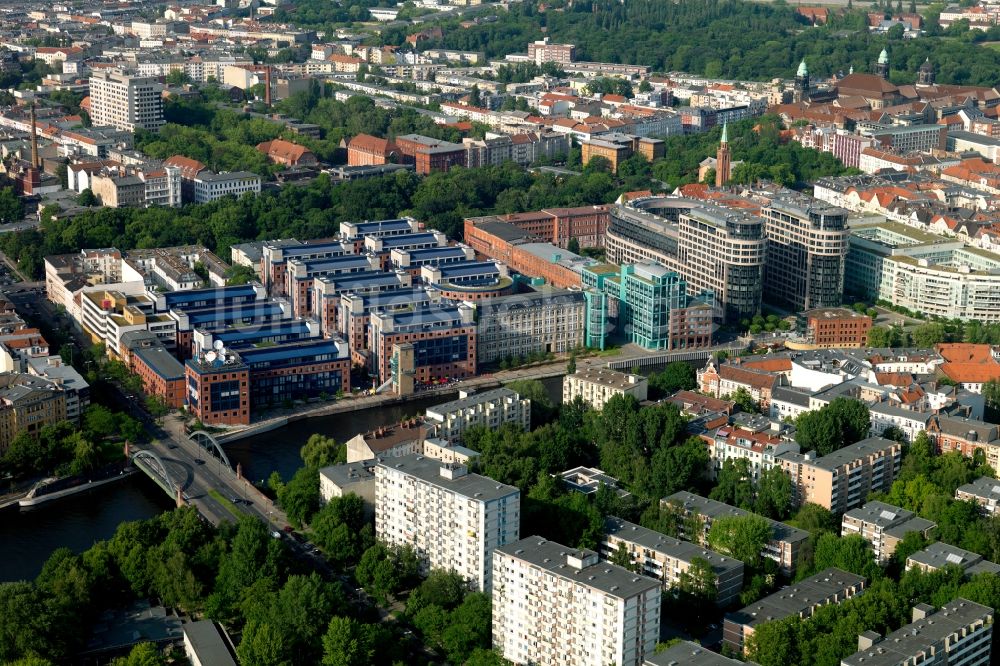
column 475, row 98
column 262, row 645
column 177, row 77
column 677, row 376
column 300, row 496
column 542, row 409
column 571, row 364
column 344, row 644
column 143, row 654
column 740, row 537
column 11, row 208
column 850, row 553
column 573, row 245
column 734, row 484
column 774, row 494
column 844, row 421
column 238, row 274
column 377, row 573
column 87, row 198
column 320, row 451
column 744, row 400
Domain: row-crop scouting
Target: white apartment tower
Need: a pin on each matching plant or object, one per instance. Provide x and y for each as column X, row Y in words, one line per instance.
column 452, row 518
column 125, row 102
column 554, row 605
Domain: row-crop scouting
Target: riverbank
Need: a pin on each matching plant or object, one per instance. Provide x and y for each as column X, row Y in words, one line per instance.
column 32, row 499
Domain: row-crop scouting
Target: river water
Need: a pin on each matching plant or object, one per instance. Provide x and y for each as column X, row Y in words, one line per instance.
column 28, row 537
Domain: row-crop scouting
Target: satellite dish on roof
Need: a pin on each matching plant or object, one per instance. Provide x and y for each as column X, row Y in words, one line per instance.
column 218, row 344
column 210, row 356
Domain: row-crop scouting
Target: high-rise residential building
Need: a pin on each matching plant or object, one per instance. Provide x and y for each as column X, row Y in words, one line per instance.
column 453, row 519
column 124, row 101
column 960, row 633
column 843, row 479
column 543, row 51
column 490, row 409
column 555, row 605
column 806, row 250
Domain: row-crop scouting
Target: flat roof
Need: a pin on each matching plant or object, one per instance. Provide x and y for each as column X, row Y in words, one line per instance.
column 425, row 315
column 715, row 509
column 853, row 452
column 160, row 361
column 687, row 653
column 429, row 470
column 178, row 298
column 468, row 268
column 915, row 639
column 207, row 643
column 985, row 487
column 199, row 316
column 403, row 240
column 237, row 334
column 677, row 548
column 880, row 514
column 424, row 253
column 799, row 599
column 472, row 400
column 290, row 350
column 608, row 377
column 605, row 577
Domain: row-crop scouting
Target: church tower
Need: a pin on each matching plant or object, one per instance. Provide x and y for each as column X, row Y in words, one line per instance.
column 925, row 75
column 882, row 66
column 802, row 82
column 723, row 160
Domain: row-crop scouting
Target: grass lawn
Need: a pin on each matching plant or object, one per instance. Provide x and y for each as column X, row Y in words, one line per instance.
column 230, row 507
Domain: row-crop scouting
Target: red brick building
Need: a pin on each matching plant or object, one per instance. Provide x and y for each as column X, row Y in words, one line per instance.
column 220, row 392
column 287, row 153
column 368, row 150
column 161, row 373
column 493, row 238
column 838, row 327
column 429, row 155
column 586, row 224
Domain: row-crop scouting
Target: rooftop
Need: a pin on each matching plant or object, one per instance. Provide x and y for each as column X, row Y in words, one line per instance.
column 682, row 550
column 603, row 576
column 471, row 401
column 687, row 653
column 461, row 481
column 829, row 585
column 713, row 509
column 985, row 487
column 160, row 361
column 609, row 378
column 848, row 454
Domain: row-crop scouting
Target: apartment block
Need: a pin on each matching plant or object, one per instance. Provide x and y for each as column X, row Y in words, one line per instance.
column 598, row 385
column 616, row 148
column 785, row 541
column 984, row 491
column 830, row 586
column 455, row 520
column 489, row 409
column 550, row 321
column 884, row 526
column 28, row 404
column 666, row 559
column 960, row 633
column 939, row 555
column 554, row 605
column 842, row 480
column 125, row 102
column 543, row 51
column 208, row 186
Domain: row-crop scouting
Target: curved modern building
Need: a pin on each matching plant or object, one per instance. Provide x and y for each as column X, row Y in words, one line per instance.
column 713, row 248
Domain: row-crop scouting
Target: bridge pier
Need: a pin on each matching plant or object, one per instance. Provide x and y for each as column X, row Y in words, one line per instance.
column 180, row 498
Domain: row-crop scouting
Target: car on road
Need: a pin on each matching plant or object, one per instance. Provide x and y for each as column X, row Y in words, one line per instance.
column 276, row 535
column 199, row 461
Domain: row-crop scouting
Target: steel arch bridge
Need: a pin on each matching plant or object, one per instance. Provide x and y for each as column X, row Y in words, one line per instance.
column 154, row 467
column 206, row 441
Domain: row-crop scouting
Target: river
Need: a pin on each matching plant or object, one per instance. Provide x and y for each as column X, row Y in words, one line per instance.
column 27, row 538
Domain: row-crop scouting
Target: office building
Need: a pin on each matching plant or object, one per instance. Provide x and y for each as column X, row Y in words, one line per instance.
column 125, row 102
column 489, row 409
column 595, row 386
column 713, row 249
column 554, row 605
column 984, row 491
column 353, row 317
column 208, row 186
column 538, row 322
column 830, row 586
column 543, row 51
column 667, row 559
column 161, row 373
column 806, row 249
column 883, row 526
column 586, row 224
column 960, row 633
column 443, row 339
column 785, row 541
column 275, row 256
column 836, row 328
column 843, row 479
column 647, row 305
column 452, row 518
column 469, row 280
